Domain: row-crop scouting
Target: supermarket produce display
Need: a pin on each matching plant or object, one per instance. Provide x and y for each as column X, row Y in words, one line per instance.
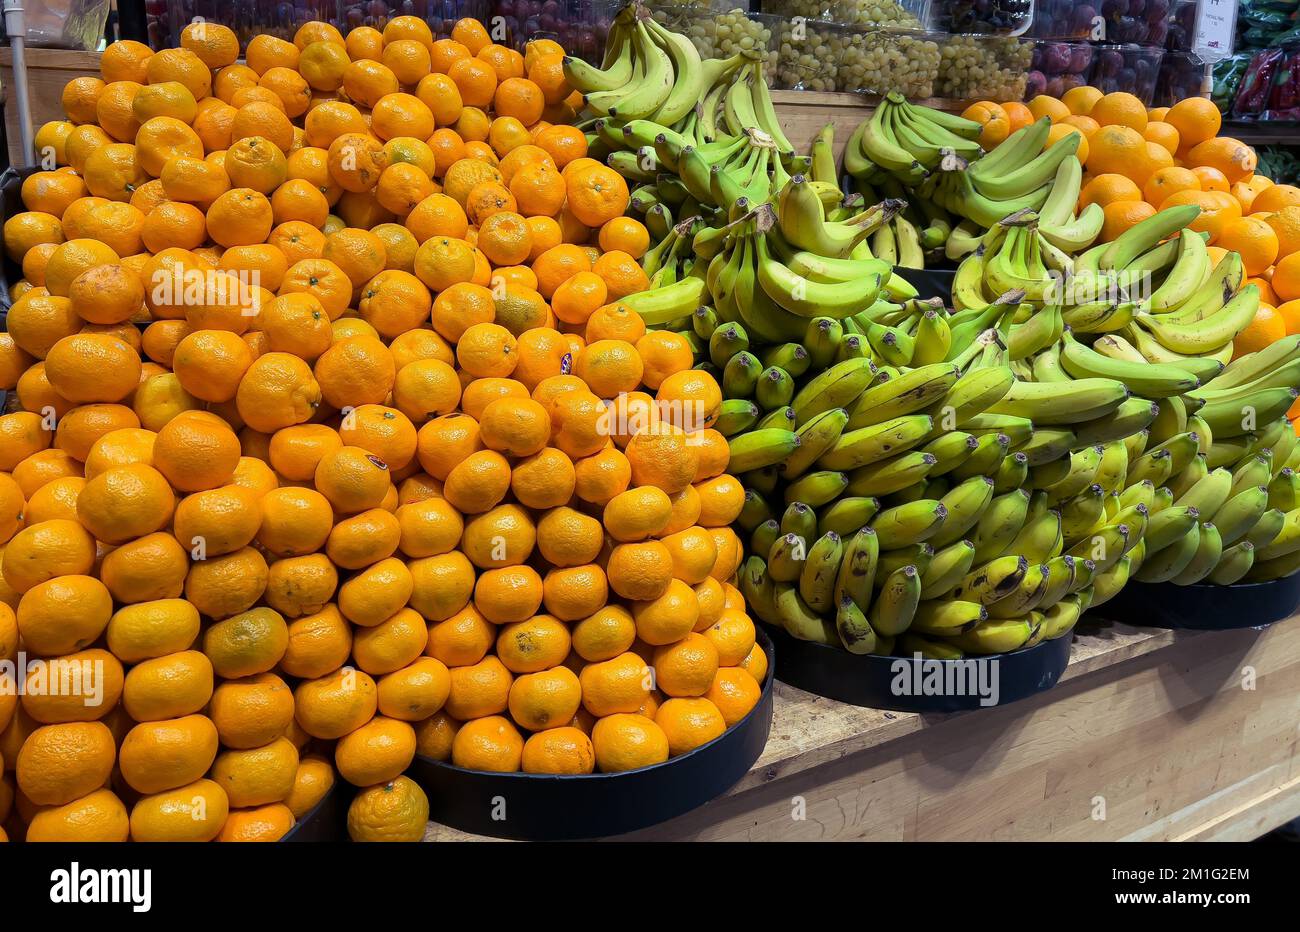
column 400, row 417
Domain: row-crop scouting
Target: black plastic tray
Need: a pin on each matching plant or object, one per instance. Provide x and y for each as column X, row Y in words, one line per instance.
column 930, row 283
column 540, row 807
column 873, row 681
column 1205, row 607
column 328, row 819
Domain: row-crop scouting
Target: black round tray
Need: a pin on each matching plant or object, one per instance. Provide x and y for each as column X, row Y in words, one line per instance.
column 870, row 680
column 930, row 283
column 328, row 819
column 1205, row 607
column 541, row 807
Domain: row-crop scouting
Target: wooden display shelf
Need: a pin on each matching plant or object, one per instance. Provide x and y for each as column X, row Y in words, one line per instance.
column 1151, row 729
column 1263, row 134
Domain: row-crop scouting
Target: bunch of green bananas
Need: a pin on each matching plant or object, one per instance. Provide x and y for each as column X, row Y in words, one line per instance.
column 909, row 143
column 648, row 73
column 1021, row 174
column 1059, row 225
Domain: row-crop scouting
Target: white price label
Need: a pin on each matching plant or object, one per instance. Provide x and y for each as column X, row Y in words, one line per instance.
column 1215, row 21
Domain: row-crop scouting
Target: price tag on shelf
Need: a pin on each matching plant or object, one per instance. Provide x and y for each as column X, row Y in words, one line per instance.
column 1216, row 21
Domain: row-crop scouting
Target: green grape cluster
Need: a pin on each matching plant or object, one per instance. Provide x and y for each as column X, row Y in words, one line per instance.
column 806, row 9
column 874, row 13
column 880, row 62
column 808, row 56
column 720, row 35
column 984, row 68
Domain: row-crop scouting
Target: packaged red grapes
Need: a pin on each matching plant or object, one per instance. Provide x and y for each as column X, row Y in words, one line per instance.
column 1182, row 75
column 1058, row 66
column 579, row 25
column 1064, row 19
column 984, row 17
column 1182, row 26
column 1130, row 68
column 1140, row 22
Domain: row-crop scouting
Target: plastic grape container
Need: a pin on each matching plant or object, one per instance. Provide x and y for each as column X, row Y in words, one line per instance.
column 1182, row 75
column 980, row 67
column 1057, row 67
column 1063, row 19
column 1145, row 22
column 1130, row 68
column 983, row 17
column 879, row 62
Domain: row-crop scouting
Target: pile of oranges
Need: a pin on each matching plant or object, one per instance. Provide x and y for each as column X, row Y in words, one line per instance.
column 334, row 444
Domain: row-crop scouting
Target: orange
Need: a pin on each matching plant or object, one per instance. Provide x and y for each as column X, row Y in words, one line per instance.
column 363, row 539
column 641, row 572
column 335, row 704
column 353, row 479
column 61, row 763
column 1116, row 149
column 1254, row 240
column 1122, row 215
column 609, row 367
column 1018, row 115
column 620, row 684
column 195, row 454
column 1120, row 108
column 1217, row 210
column 1267, row 327
column 476, row 81
column 1061, row 130
column 508, row 594
column 516, row 427
column 540, row 353
column 487, row 350
column 734, row 692
column 532, row 645
column 519, row 98
column 626, row 741
column 994, row 120
column 1080, row 100
column 1163, row 135
column 557, row 265
column 563, row 144
column 1109, row 189
column 566, row 537
column 1196, row 119
column 92, row 367
column 125, row 502
column 63, row 614
column 478, row 482
column 625, row 234
column 689, row 723
column 491, row 744
column 1165, row 182
column 391, row 644
column 394, row 811
column 564, row 750
column 1286, row 282
column 1212, row 179
column 686, row 667
column 1234, row 159
column 539, row 190
column 622, row 274
column 596, row 195
column 601, row 476
column 1276, row 197
column 1286, row 224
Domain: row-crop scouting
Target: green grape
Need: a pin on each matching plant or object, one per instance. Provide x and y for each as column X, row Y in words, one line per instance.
column 984, row 68
column 879, row 62
column 808, row 56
